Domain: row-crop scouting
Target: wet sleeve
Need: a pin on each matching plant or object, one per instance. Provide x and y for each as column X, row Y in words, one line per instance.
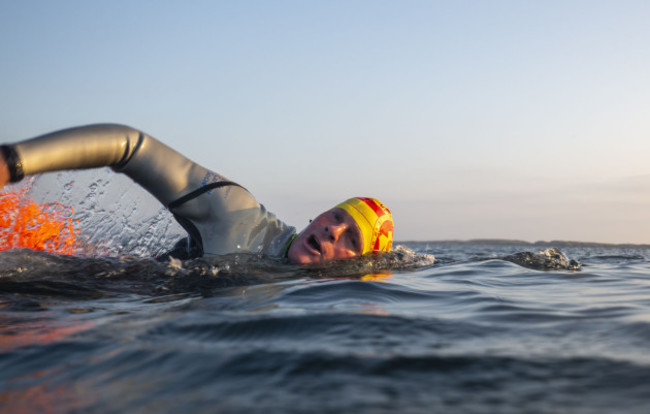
column 162, row 171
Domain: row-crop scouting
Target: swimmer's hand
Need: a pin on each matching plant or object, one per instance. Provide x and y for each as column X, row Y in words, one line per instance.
column 4, row 172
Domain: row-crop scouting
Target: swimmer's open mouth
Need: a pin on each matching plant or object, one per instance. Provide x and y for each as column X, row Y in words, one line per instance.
column 313, row 243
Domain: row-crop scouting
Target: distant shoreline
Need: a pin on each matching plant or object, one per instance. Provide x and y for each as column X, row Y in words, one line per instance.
column 540, row 243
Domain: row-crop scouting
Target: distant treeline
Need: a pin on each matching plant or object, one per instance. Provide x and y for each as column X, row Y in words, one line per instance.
column 552, row 243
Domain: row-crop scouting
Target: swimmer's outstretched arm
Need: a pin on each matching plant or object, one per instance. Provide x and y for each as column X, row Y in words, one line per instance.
column 219, row 215
column 161, row 170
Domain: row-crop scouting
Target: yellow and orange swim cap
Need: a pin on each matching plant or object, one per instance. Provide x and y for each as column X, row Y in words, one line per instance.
column 374, row 220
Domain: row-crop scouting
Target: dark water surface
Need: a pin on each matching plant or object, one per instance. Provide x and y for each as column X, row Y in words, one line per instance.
column 479, row 331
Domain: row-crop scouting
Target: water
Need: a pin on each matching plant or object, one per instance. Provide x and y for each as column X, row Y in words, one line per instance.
column 481, row 330
column 485, row 328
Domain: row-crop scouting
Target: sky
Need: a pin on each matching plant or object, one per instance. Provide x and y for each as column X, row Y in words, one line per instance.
column 523, row 120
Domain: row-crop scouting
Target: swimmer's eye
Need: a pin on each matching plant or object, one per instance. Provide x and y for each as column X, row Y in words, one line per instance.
column 337, row 217
column 354, row 241
column 355, row 244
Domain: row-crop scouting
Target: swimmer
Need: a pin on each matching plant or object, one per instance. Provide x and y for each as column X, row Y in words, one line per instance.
column 219, row 215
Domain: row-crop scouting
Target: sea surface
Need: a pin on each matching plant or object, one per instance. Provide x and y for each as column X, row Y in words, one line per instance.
column 432, row 327
column 479, row 329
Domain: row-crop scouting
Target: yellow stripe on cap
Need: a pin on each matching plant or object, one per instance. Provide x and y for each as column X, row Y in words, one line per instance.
column 374, row 220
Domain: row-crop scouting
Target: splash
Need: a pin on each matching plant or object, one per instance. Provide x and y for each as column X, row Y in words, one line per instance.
column 548, row 259
column 45, row 227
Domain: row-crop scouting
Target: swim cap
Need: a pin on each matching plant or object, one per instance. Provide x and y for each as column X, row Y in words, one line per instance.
column 374, row 220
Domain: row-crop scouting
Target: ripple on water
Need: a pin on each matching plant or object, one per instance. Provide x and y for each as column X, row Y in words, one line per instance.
column 245, row 334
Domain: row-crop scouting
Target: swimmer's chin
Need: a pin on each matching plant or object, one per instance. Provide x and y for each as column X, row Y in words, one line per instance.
column 304, row 259
column 310, row 260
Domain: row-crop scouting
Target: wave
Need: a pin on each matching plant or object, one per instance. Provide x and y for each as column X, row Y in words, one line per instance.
column 42, row 273
column 23, row 270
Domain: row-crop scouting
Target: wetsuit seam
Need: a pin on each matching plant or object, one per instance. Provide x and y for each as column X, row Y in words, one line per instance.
column 129, row 154
column 194, row 194
column 191, row 229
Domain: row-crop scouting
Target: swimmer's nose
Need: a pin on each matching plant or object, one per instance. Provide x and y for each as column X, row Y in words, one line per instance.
column 335, row 231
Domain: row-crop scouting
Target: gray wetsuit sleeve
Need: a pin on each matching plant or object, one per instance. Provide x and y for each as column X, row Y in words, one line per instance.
column 159, row 169
column 222, row 216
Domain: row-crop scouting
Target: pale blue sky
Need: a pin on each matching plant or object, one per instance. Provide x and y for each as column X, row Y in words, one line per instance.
column 503, row 119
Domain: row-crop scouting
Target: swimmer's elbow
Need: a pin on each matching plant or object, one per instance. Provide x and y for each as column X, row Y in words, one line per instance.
column 89, row 146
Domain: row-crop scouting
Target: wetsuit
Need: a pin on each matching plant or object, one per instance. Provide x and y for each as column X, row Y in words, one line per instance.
column 220, row 216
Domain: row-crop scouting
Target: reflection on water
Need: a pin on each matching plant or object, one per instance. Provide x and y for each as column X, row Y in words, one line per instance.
column 15, row 333
column 44, row 396
column 475, row 332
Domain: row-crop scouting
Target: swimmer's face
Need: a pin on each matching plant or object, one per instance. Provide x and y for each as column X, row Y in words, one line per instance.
column 333, row 235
